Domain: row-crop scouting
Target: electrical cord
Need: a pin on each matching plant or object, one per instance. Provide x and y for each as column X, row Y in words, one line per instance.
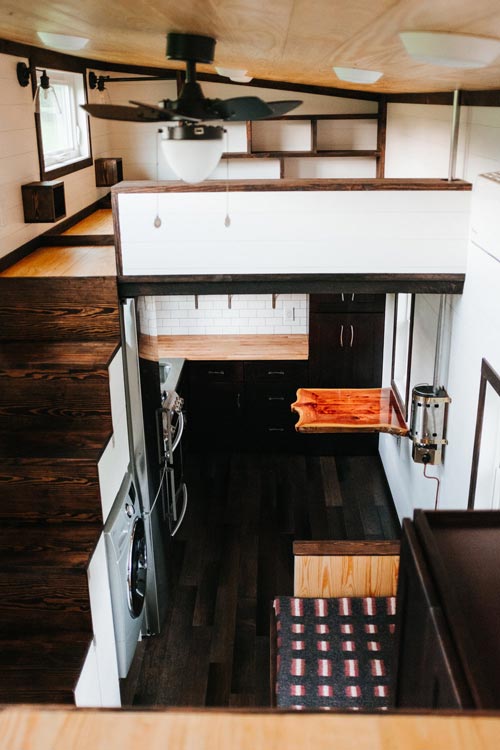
column 436, row 479
column 149, row 512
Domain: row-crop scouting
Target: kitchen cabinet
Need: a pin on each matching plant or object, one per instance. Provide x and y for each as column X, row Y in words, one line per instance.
column 346, row 341
column 448, row 608
column 244, row 404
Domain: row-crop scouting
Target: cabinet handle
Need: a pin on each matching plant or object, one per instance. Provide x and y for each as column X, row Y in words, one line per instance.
column 352, row 297
column 342, row 336
column 216, row 372
column 342, row 295
column 352, row 336
column 275, row 398
column 276, row 429
column 238, row 400
column 275, row 372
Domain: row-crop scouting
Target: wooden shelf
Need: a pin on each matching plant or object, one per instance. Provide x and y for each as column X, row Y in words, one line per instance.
column 299, row 154
column 323, row 410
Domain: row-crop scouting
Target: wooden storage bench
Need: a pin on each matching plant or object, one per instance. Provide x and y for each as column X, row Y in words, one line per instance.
column 332, row 643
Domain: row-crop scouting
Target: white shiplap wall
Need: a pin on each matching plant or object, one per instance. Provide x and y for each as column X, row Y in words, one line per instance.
column 19, row 161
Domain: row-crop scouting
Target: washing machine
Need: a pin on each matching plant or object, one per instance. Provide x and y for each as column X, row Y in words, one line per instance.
column 127, row 568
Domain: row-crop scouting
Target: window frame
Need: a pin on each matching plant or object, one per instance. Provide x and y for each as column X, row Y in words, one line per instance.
column 403, row 399
column 489, row 377
column 72, row 166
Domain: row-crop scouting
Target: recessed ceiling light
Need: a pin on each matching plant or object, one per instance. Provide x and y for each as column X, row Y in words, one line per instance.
column 451, row 50
column 357, row 75
column 62, row 41
column 238, row 76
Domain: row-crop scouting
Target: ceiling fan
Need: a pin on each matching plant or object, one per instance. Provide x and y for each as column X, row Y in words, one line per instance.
column 192, row 106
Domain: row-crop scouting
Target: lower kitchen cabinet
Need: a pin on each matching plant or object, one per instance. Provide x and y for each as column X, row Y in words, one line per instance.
column 245, row 405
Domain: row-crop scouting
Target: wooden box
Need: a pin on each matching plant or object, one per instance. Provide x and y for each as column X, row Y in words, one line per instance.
column 108, row 171
column 43, row 201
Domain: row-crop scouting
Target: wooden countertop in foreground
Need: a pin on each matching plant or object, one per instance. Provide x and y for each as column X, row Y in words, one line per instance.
column 79, row 729
column 223, row 347
column 348, row 410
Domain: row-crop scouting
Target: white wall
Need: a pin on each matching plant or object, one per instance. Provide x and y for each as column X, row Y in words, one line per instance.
column 294, row 232
column 19, row 161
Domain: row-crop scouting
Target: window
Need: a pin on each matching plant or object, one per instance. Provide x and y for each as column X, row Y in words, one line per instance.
column 404, row 305
column 64, row 139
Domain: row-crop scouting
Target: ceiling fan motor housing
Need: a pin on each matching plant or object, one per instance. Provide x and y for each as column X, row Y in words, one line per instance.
column 192, row 47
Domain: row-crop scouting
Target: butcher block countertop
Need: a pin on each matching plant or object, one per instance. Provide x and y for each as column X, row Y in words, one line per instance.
column 349, row 410
column 223, row 347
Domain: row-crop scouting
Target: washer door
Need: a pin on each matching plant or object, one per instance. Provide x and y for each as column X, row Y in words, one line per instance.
column 137, row 568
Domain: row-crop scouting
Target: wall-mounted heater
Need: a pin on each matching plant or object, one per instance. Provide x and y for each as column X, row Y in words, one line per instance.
column 428, row 422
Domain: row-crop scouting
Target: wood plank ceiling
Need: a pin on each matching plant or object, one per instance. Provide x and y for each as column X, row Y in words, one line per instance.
column 283, row 40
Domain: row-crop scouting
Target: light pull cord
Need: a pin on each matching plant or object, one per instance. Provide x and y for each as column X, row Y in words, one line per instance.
column 227, row 219
column 436, row 479
column 157, row 221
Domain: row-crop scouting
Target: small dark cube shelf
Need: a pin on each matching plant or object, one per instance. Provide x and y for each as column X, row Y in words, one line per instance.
column 108, row 171
column 43, row 202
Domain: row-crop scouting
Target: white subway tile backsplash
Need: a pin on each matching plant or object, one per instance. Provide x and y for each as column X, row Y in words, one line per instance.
column 249, row 313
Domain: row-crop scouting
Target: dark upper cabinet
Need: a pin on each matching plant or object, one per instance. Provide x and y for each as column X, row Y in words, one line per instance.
column 346, row 350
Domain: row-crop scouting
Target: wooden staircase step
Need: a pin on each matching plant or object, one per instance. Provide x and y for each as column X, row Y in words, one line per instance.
column 55, row 309
column 42, row 670
column 41, row 599
column 47, row 393
column 61, row 546
column 81, row 355
column 60, row 490
column 68, row 438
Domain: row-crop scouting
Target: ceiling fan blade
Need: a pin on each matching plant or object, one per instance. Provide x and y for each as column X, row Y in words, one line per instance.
column 282, row 108
column 168, row 114
column 241, row 108
column 119, row 112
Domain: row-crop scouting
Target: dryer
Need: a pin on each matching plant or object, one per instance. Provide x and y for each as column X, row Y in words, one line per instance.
column 126, row 552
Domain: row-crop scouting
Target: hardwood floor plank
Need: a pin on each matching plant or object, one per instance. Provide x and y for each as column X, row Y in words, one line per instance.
column 234, row 554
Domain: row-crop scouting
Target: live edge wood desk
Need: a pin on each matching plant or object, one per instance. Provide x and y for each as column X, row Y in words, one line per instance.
column 348, row 410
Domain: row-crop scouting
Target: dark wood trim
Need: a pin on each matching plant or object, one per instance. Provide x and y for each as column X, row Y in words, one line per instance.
column 135, row 286
column 273, row 656
column 51, row 237
column 402, row 401
column 76, row 240
column 430, row 97
column 54, row 174
column 316, row 118
column 347, row 184
column 381, row 137
column 70, row 221
column 117, row 235
column 337, row 548
column 299, row 154
column 14, row 256
column 488, row 375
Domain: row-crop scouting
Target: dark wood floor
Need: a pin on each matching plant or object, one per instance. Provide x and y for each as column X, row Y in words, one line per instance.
column 233, row 554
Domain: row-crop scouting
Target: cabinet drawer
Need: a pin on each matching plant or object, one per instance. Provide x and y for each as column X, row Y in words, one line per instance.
column 279, row 371
column 270, row 403
column 347, row 302
column 216, row 371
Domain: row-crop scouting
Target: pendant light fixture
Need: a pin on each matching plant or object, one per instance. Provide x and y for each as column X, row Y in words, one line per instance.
column 193, row 150
column 45, row 91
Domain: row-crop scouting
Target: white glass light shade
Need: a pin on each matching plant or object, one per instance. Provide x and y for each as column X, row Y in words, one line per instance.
column 357, row 75
column 193, row 159
column 62, row 41
column 450, row 50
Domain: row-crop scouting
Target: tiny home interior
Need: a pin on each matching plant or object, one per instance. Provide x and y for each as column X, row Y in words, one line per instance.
column 239, row 406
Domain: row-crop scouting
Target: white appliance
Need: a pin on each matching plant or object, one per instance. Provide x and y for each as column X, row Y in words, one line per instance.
column 126, row 552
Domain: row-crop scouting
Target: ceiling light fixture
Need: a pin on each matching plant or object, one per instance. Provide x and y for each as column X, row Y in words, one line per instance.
column 238, row 76
column 450, row 50
column 62, row 41
column 357, row 75
column 193, row 150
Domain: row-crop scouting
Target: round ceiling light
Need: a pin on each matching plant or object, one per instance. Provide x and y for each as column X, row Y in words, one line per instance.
column 357, row 75
column 450, row 50
column 62, row 41
column 238, row 76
